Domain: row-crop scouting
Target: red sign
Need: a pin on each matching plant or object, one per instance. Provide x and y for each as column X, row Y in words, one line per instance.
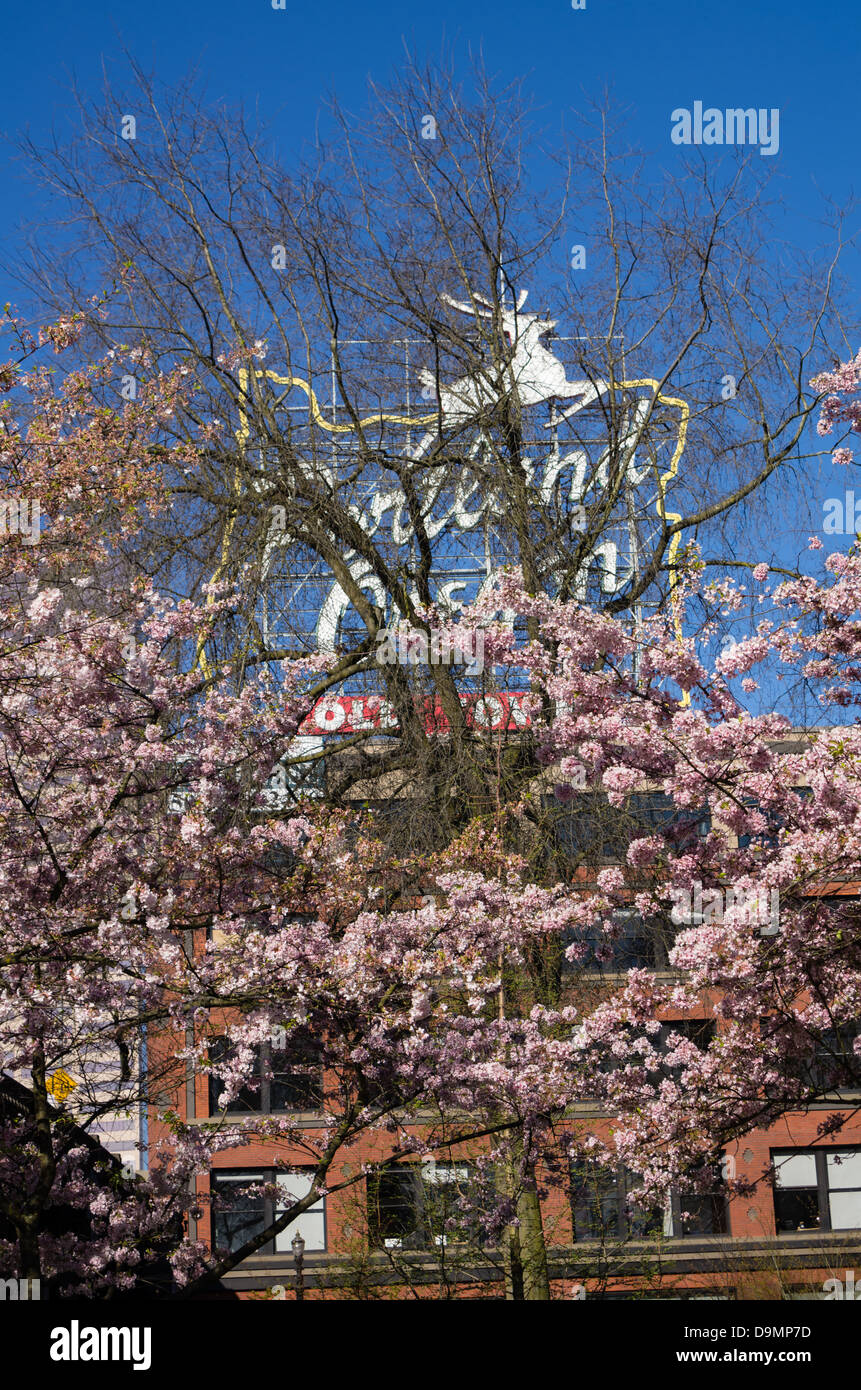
column 353, row 714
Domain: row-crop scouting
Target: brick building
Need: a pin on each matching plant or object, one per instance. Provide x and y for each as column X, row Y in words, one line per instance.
column 390, row 1234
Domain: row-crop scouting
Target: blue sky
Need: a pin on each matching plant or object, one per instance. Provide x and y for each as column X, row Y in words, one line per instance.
column 655, row 54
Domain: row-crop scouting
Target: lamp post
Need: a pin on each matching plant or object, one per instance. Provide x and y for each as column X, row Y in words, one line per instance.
column 297, row 1245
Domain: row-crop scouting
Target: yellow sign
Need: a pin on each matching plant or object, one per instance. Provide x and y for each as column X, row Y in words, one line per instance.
column 60, row 1084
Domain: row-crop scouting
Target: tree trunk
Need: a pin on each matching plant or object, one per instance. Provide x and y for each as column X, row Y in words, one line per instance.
column 29, row 1258
column 524, row 1249
column 28, row 1225
column 533, row 1250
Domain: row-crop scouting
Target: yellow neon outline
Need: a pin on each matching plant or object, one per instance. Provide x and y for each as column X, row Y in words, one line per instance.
column 243, row 434
column 316, row 414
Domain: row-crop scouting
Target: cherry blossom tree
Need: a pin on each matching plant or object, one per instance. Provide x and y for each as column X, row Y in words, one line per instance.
column 841, row 405
column 761, row 905
column 421, row 979
column 121, row 920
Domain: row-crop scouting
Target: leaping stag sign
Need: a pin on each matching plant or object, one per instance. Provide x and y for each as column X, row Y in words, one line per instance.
column 462, row 507
column 535, row 373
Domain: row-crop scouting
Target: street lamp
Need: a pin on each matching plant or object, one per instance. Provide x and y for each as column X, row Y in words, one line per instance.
column 297, row 1245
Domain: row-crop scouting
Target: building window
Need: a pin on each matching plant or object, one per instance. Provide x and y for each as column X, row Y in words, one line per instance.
column 682, row 826
column 244, row 1213
column 699, row 1031
column 393, row 1208
column 591, row 827
column 421, row 1205
column 817, row 1189
column 834, row 1063
column 241, row 1213
column 816, row 1063
column 311, row 1225
column 602, row 1209
column 698, row 1214
column 768, row 839
column 287, row 1076
column 638, row 943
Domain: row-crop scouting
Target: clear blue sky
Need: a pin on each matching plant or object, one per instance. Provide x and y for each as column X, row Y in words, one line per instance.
column 656, row 54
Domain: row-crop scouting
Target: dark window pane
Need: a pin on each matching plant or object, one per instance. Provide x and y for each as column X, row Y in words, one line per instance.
column 833, row 1063
column 244, row 1215
column 376, row 1092
column 653, row 810
column 645, row 1221
column 641, row 1222
column 826, row 1062
column 588, row 826
column 446, row 1217
column 796, row 1209
column 248, row 1100
column 392, row 1206
column 279, row 860
column 699, row 1031
column 639, row 943
column 769, row 838
column 703, row 1215
column 297, row 1076
column 635, row 947
column 595, row 1202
